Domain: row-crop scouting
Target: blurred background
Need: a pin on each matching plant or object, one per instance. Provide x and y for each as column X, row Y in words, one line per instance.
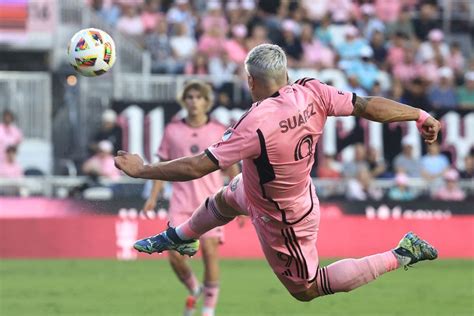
column 59, row 131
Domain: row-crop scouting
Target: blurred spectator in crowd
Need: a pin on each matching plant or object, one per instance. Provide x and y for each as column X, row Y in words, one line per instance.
column 364, row 69
column 403, row 25
column 376, row 163
column 329, row 168
column 110, row 14
column 361, row 187
column 323, row 31
column 450, row 191
column 182, row 44
column 151, row 15
column 455, row 59
column 291, row 43
column 102, row 163
column 315, row 53
column 396, row 91
column 352, row 47
column 352, row 167
column 369, row 23
column 415, row 95
column 259, row 35
column 158, row 43
column 388, row 11
column 465, row 93
column 10, row 134
column 426, row 21
column 180, row 13
column 443, row 95
column 10, row 168
column 212, row 42
column 405, row 162
column 109, row 131
column 130, row 22
column 408, row 69
column 401, row 192
column 377, row 43
column 235, row 46
column 199, row 65
column 214, row 18
column 434, row 164
column 396, row 49
column 434, row 48
column 222, row 69
column 468, row 172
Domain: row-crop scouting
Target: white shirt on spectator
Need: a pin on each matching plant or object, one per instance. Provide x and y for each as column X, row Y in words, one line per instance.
column 183, row 46
column 427, row 53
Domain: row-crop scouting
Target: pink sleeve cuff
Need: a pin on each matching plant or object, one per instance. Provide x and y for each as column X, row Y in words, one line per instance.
column 421, row 120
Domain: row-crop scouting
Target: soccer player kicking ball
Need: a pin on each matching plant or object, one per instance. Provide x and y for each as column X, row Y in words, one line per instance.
column 276, row 141
column 185, row 137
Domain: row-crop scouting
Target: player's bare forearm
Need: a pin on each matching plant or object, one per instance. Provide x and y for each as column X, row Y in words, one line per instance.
column 383, row 110
column 182, row 169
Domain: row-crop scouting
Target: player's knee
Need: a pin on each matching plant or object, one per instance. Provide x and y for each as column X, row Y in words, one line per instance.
column 303, row 296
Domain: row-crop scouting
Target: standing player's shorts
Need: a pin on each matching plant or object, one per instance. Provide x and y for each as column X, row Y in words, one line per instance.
column 289, row 249
column 177, row 218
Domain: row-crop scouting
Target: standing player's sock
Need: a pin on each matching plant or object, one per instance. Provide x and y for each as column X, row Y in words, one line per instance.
column 192, row 284
column 348, row 274
column 204, row 218
column 211, row 294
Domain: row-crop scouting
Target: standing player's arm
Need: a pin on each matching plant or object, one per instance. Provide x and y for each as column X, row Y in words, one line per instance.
column 182, row 169
column 232, row 171
column 150, row 203
column 383, row 110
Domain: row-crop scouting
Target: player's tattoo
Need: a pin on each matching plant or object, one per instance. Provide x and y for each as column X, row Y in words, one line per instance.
column 360, row 105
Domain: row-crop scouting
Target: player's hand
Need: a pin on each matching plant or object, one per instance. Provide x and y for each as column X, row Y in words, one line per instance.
column 430, row 129
column 150, row 205
column 131, row 164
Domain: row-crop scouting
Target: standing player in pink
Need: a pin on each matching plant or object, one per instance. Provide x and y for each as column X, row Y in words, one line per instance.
column 276, row 141
column 185, row 137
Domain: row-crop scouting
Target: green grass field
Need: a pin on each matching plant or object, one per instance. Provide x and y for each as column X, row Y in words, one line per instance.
column 148, row 287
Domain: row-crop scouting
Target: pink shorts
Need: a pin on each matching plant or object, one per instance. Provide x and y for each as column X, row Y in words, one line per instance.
column 177, row 218
column 289, row 249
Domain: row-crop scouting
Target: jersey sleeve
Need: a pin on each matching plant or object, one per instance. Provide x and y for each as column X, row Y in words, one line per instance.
column 336, row 102
column 238, row 142
column 164, row 150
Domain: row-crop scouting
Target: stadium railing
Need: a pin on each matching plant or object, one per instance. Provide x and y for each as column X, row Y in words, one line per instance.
column 28, row 95
column 49, row 185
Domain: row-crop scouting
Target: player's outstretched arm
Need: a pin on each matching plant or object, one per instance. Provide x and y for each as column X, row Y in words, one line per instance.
column 182, row 169
column 383, row 110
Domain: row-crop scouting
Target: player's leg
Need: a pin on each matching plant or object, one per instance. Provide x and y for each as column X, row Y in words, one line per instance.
column 216, row 211
column 186, row 275
column 348, row 274
column 210, row 256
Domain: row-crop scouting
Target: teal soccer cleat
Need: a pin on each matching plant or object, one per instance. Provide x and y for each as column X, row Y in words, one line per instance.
column 412, row 249
column 167, row 240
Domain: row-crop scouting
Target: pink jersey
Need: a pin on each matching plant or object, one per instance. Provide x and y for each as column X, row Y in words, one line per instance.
column 276, row 139
column 182, row 140
column 10, row 135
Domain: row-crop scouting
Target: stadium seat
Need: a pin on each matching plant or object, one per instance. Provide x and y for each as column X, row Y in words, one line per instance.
column 36, row 154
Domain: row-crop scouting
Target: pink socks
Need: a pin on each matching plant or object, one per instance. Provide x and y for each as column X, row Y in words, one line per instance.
column 205, row 218
column 348, row 274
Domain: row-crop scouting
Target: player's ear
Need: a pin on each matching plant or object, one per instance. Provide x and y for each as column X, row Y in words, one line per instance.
column 250, row 81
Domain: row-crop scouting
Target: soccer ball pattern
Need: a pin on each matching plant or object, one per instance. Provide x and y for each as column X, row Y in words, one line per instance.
column 91, row 52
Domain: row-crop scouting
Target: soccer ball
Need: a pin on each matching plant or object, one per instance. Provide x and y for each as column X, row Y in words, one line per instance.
column 91, row 52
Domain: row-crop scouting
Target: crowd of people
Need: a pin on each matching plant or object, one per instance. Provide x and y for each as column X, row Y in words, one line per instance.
column 368, row 41
column 434, row 167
